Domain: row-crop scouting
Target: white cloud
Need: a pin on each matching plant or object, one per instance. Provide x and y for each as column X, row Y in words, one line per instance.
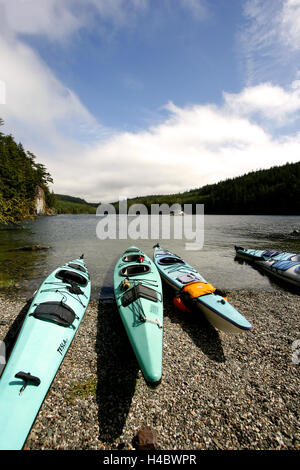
column 2, row 92
column 271, row 101
column 32, row 87
column 196, row 146
column 37, row 105
column 290, row 23
column 58, row 20
column 52, row 18
column 270, row 40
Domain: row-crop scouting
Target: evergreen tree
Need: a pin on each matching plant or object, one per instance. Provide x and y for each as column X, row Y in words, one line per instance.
column 272, row 191
column 19, row 177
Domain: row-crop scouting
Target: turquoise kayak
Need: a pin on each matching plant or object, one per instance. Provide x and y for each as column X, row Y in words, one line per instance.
column 281, row 265
column 46, row 334
column 196, row 291
column 138, row 294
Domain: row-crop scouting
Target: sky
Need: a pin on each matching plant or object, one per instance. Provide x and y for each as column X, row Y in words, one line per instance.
column 124, row 98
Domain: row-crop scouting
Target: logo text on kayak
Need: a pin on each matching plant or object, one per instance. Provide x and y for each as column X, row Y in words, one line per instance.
column 62, row 346
column 162, row 222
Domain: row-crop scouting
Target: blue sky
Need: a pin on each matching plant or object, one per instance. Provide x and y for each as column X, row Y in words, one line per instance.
column 126, row 74
column 135, row 97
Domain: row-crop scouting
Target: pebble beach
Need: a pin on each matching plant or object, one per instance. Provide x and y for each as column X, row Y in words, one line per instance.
column 218, row 391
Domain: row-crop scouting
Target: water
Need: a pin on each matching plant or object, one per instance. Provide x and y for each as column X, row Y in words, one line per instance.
column 71, row 235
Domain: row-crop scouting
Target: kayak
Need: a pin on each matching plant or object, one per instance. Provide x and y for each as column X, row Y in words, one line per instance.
column 281, row 265
column 195, row 290
column 138, row 294
column 263, row 255
column 44, row 338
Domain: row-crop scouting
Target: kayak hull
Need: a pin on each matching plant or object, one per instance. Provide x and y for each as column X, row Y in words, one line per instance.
column 39, row 350
column 283, row 266
column 289, row 275
column 217, row 310
column 140, row 307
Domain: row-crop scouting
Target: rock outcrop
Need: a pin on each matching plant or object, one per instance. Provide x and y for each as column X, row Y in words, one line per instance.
column 40, row 206
column 40, row 203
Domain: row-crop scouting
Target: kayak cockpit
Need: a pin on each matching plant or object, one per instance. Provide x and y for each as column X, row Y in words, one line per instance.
column 168, row 260
column 70, row 276
column 136, row 258
column 135, row 269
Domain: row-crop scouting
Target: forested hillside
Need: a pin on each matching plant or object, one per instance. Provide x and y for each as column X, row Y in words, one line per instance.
column 73, row 205
column 20, row 175
column 272, row 191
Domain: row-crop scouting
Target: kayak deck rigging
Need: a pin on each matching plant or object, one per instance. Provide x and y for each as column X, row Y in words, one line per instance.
column 71, row 288
column 133, row 297
column 138, row 309
column 55, row 311
column 137, row 291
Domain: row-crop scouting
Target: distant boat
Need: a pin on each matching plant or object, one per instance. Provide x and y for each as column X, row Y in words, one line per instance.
column 177, row 213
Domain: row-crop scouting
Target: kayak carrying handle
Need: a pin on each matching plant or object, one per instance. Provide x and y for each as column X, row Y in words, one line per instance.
column 28, row 378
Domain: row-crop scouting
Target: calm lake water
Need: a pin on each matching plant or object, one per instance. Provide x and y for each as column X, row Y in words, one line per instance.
column 71, row 235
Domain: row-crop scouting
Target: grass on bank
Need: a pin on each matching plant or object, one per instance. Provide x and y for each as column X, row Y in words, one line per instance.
column 82, row 389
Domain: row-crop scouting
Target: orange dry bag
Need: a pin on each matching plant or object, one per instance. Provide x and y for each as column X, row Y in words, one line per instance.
column 180, row 305
column 196, row 289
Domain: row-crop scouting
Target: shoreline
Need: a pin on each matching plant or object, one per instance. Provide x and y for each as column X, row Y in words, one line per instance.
column 218, row 391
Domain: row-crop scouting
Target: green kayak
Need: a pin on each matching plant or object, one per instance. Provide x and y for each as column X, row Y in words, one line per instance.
column 138, row 293
column 46, row 334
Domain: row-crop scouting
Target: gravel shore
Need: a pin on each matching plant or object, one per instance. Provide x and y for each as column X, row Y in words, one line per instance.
column 218, row 391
